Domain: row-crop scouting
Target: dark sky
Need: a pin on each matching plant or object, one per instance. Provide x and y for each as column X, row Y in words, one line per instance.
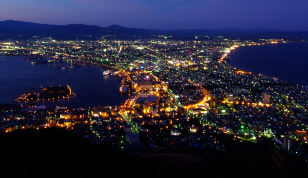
column 163, row 14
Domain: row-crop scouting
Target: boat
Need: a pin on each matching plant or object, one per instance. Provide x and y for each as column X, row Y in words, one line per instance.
column 106, row 72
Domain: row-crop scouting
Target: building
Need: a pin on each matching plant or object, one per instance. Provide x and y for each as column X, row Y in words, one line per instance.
column 266, row 97
column 146, row 85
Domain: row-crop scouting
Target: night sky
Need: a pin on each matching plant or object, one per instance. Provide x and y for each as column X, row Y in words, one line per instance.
column 163, row 14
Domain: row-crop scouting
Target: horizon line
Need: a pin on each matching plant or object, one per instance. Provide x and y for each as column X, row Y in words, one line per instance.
column 250, row 29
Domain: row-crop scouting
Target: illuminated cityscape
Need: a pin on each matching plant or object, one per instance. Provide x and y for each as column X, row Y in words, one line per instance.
column 181, row 94
column 171, row 88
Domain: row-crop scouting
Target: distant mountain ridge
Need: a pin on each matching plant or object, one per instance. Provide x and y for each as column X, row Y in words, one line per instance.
column 11, row 29
column 26, row 30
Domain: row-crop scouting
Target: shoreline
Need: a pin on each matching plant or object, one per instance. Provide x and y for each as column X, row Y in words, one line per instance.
column 227, row 60
column 83, row 101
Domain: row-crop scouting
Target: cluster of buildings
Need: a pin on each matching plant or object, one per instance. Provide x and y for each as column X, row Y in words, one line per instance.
column 182, row 95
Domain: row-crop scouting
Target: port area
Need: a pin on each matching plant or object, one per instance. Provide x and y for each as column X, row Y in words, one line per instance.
column 45, row 94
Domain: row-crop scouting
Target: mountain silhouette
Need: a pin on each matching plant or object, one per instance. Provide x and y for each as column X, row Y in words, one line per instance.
column 15, row 30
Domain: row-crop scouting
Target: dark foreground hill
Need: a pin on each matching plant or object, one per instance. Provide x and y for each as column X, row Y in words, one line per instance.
column 26, row 30
column 57, row 153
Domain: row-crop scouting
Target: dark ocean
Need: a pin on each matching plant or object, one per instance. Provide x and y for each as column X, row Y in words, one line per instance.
column 18, row 76
column 288, row 62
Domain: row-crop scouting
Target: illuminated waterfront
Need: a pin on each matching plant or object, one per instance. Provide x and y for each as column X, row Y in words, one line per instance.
column 179, row 91
column 285, row 61
column 132, row 88
column 17, row 76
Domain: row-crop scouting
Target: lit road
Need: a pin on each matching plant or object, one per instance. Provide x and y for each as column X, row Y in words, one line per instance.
column 232, row 48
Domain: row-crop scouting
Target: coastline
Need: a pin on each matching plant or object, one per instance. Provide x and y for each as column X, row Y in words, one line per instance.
column 23, row 73
column 251, row 65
